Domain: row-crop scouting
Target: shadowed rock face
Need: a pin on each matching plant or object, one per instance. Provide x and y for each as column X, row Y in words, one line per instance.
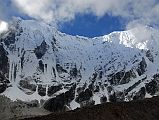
column 10, row 38
column 40, row 50
column 122, row 77
column 137, row 110
column 142, row 67
column 149, row 56
column 4, row 68
column 3, row 88
column 152, row 87
column 140, row 95
column 24, row 84
column 53, row 89
column 58, row 103
column 103, row 99
column 42, row 90
column 60, row 69
column 84, row 95
column 4, row 63
column 41, row 65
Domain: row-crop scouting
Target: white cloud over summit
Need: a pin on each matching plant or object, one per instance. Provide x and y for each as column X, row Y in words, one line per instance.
column 3, row 26
column 137, row 11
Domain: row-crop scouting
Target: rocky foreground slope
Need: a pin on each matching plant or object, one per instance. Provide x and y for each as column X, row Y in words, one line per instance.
column 37, row 62
column 147, row 109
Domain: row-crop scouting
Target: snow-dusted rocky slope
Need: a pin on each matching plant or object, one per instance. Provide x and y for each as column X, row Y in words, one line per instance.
column 39, row 62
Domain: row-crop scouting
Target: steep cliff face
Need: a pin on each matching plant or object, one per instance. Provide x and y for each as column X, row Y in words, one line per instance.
column 38, row 62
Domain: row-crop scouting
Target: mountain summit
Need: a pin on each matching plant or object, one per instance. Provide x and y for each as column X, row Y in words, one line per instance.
column 37, row 62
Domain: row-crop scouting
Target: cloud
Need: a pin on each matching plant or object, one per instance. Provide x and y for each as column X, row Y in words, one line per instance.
column 39, row 9
column 58, row 9
column 3, row 26
column 135, row 11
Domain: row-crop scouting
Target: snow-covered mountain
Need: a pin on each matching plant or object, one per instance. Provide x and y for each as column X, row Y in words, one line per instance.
column 37, row 62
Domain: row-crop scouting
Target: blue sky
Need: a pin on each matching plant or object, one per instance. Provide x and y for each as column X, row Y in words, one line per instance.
column 91, row 26
column 88, row 18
